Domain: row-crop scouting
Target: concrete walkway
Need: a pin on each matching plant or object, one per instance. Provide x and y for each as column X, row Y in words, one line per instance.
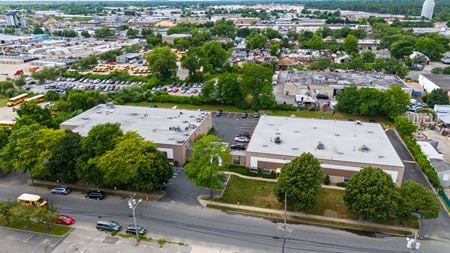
column 205, row 202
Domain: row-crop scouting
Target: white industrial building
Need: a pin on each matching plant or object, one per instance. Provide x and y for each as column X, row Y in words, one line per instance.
column 342, row 147
column 428, row 9
column 430, row 82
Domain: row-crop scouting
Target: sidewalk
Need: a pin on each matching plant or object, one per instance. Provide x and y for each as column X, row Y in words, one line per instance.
column 204, row 203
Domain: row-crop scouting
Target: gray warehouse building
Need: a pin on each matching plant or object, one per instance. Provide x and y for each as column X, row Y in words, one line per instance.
column 173, row 131
column 342, row 147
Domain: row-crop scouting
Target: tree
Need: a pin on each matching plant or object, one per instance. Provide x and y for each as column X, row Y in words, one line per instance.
column 47, row 73
column 301, row 179
column 256, row 40
column 85, row 34
column 430, row 48
column 275, row 48
column 415, row 198
column 20, row 81
column 104, row 32
column 256, row 82
column 369, row 101
column 146, row 32
column 404, row 126
column 243, row 32
column 163, row 62
column 350, row 44
column 224, row 28
column 368, row 57
column 83, row 100
column 64, row 155
column 320, row 64
column 315, row 43
column 132, row 32
column 228, row 87
column 204, row 168
column 30, row 113
column 437, row 97
column 271, row 33
column 217, row 56
column 372, row 194
column 194, row 60
column 134, row 163
column 400, row 49
column 182, row 43
column 100, row 139
column 395, row 101
column 154, row 40
column 38, row 30
column 4, row 135
column 6, row 209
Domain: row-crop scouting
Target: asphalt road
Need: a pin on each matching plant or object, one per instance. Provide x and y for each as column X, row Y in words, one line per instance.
column 439, row 227
column 196, row 225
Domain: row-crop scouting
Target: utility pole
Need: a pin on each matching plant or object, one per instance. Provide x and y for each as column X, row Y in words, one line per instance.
column 413, row 244
column 284, row 227
column 132, row 204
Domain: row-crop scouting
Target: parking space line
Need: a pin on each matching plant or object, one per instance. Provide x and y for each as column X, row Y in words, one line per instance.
column 26, row 240
column 406, row 161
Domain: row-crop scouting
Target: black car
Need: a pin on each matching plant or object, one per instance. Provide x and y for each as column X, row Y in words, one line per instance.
column 63, row 190
column 237, row 146
column 219, row 113
column 131, row 229
column 244, row 115
column 95, row 195
column 322, row 96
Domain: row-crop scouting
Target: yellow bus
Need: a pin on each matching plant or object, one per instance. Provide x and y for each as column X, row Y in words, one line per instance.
column 37, row 98
column 31, row 200
column 7, row 123
column 17, row 99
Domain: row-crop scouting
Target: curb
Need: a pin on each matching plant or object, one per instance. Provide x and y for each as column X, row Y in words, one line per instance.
column 204, row 203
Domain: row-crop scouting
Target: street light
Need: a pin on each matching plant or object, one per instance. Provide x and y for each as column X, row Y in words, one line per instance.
column 284, row 227
column 413, row 244
column 132, row 204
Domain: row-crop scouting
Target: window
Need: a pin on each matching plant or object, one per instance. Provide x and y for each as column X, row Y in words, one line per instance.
column 236, row 161
column 346, row 179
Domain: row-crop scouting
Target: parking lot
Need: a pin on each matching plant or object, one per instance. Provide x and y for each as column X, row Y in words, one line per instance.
column 21, row 241
column 229, row 125
column 180, row 89
column 62, row 84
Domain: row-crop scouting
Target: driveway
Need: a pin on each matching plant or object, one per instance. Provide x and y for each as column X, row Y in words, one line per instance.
column 21, row 241
column 230, row 124
column 434, row 228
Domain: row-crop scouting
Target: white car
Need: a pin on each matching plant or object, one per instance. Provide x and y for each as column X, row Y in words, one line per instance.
column 241, row 139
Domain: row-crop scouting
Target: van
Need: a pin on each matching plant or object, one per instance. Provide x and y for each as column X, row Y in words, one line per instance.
column 31, row 200
column 108, row 226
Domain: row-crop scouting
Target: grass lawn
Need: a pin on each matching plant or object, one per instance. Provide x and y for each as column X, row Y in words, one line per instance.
column 301, row 114
column 3, row 101
column 261, row 194
column 55, row 229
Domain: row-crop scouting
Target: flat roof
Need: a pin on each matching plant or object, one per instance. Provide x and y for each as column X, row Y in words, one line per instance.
column 159, row 125
column 345, row 141
column 443, row 81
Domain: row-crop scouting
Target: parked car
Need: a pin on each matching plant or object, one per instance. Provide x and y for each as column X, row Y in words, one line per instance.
column 241, row 139
column 244, row 134
column 238, row 146
column 255, row 115
column 244, row 115
column 219, row 113
column 98, row 195
column 108, row 226
column 65, row 220
column 322, row 96
column 131, row 229
column 63, row 190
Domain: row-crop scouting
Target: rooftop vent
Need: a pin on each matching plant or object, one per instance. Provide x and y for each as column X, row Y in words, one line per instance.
column 277, row 140
column 110, row 105
column 320, row 145
column 370, row 132
column 180, row 141
column 134, row 114
column 265, row 145
column 296, row 132
column 358, row 122
column 364, row 148
column 294, row 148
column 381, row 156
column 85, row 118
column 337, row 135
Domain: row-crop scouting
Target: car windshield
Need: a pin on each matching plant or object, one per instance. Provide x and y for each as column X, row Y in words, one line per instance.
column 114, row 223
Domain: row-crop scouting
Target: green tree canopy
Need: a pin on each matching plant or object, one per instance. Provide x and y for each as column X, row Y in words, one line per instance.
column 350, row 44
column 204, row 168
column 193, row 61
column 395, row 101
column 415, row 198
column 404, row 126
column 437, row 97
column 372, row 194
column 85, row 34
column 64, row 155
column 301, row 179
column 163, row 62
column 430, row 48
column 30, row 113
column 256, row 83
column 256, row 40
column 135, row 163
column 217, row 56
column 104, row 32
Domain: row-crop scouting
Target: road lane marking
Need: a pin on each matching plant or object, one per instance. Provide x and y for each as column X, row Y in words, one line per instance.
column 26, row 240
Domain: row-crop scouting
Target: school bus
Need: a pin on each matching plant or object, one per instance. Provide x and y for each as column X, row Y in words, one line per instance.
column 37, row 98
column 7, row 123
column 17, row 99
column 31, row 200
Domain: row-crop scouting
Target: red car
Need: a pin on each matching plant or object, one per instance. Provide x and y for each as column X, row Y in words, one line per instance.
column 175, row 90
column 65, row 220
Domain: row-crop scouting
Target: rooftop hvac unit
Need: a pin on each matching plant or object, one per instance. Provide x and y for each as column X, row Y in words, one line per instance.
column 277, row 140
column 110, row 105
column 320, row 145
column 180, row 141
column 364, row 148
